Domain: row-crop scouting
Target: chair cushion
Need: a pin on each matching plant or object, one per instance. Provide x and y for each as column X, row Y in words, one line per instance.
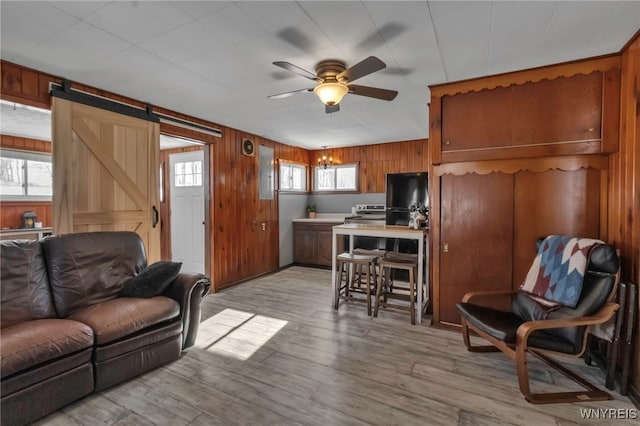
column 31, row 343
column 598, row 283
column 557, row 272
column 124, row 316
column 499, row 324
column 152, row 281
column 25, row 287
column 504, row 326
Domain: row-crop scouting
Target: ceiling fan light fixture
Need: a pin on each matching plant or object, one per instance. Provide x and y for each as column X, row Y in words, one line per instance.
column 331, row 93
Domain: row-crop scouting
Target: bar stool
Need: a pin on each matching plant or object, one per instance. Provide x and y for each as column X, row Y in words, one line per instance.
column 385, row 286
column 358, row 261
column 403, row 257
column 378, row 253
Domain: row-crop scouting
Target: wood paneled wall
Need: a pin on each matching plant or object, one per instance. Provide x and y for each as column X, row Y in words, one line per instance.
column 24, row 144
column 242, row 248
column 375, row 161
column 624, row 184
column 239, row 248
column 24, row 85
column 11, row 211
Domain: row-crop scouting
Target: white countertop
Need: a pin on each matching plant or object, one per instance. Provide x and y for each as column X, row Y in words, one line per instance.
column 25, row 230
column 373, row 230
column 325, row 218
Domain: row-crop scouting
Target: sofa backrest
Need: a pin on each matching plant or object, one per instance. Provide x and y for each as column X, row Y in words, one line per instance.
column 92, row 267
column 25, row 288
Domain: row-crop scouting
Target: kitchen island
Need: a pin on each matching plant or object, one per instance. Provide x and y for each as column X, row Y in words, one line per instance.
column 384, row 231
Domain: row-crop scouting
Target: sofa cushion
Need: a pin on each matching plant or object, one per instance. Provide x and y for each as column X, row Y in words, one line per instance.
column 31, row 343
column 25, row 288
column 89, row 268
column 124, row 316
column 152, row 281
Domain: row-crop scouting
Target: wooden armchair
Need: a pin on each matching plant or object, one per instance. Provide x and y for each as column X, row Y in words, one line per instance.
column 529, row 329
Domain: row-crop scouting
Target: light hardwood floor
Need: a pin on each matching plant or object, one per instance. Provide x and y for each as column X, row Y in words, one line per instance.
column 272, row 351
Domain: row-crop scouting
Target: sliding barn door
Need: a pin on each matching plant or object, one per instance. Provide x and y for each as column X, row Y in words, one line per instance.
column 105, row 173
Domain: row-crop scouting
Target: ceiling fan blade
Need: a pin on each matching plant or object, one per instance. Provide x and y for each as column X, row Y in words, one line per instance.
column 290, row 67
column 331, row 108
column 373, row 92
column 287, row 94
column 365, row 67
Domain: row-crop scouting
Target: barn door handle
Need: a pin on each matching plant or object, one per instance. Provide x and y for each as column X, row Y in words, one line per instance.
column 156, row 216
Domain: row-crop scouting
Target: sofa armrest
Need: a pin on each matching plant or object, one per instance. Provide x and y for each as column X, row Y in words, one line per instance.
column 189, row 290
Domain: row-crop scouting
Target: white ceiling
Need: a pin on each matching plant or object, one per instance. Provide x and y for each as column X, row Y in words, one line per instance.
column 213, row 60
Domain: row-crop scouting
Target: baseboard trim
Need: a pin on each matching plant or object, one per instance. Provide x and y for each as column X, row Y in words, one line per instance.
column 244, row 280
column 634, row 395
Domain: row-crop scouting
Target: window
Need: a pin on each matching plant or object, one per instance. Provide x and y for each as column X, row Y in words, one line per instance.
column 336, row 178
column 293, row 177
column 188, row 174
column 25, row 175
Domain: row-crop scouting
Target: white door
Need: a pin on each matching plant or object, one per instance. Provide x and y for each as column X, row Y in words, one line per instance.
column 187, row 210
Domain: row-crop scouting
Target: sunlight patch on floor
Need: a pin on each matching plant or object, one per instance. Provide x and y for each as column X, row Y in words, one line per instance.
column 237, row 334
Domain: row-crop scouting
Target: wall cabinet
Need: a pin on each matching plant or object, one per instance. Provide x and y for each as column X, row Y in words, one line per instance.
column 560, row 111
column 569, row 109
column 513, row 158
column 312, row 243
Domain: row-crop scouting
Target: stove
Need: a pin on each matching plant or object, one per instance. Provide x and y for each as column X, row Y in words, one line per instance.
column 368, row 213
column 370, row 209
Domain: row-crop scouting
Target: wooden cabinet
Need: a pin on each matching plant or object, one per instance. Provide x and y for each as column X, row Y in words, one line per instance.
column 568, row 109
column 559, row 111
column 304, row 244
column 515, row 157
column 312, row 243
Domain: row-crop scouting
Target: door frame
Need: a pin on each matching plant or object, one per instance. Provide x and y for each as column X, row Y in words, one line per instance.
column 165, row 205
column 174, row 158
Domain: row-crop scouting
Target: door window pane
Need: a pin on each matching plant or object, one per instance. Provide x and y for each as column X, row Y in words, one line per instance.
column 188, row 174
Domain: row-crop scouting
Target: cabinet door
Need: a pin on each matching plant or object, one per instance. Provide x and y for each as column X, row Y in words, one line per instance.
column 304, row 247
column 550, row 117
column 476, row 238
column 552, row 202
column 323, row 247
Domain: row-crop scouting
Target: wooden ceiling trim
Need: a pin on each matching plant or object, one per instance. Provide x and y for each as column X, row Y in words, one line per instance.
column 533, row 75
column 567, row 164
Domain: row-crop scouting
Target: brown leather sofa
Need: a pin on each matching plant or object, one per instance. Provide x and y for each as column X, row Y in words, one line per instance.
column 65, row 332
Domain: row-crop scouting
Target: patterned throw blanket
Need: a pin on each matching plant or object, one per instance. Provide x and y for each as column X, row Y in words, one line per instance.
column 556, row 275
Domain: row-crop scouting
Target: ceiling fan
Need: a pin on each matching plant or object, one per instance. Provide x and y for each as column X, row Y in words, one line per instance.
column 334, row 81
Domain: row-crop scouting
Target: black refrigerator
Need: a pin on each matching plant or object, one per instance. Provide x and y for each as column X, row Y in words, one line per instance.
column 403, row 191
